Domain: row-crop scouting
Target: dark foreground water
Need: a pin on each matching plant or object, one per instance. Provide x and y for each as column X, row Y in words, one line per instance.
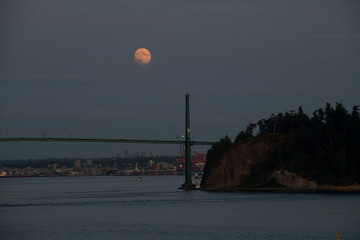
column 123, row 208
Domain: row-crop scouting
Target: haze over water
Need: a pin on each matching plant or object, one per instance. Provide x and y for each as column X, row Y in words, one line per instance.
column 123, row 208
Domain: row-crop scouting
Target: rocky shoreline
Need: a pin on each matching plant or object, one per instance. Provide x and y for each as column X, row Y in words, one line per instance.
column 234, row 171
column 335, row 190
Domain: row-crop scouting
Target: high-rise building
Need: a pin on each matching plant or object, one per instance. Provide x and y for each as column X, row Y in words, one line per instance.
column 77, row 163
column 88, row 163
column 162, row 166
column 152, row 153
column 136, row 167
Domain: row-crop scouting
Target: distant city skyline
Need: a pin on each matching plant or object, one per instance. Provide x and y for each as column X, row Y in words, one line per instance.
column 65, row 64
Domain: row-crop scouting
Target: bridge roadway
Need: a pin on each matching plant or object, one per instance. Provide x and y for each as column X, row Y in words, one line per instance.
column 103, row 140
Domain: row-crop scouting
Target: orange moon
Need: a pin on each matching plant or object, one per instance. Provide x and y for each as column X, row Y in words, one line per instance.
column 142, row 56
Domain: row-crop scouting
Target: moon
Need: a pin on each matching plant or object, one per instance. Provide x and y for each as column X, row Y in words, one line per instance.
column 142, row 56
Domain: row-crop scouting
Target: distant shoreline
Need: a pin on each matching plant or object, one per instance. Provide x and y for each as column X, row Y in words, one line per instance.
column 125, row 175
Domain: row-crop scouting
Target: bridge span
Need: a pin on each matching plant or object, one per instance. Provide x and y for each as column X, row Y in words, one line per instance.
column 103, row 140
column 188, row 185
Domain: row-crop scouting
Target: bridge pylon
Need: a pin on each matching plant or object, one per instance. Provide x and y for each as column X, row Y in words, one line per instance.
column 188, row 185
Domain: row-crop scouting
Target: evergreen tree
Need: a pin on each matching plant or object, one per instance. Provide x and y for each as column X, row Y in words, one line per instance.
column 325, row 148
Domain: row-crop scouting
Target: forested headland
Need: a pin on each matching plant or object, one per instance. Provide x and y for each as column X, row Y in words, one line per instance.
column 324, row 148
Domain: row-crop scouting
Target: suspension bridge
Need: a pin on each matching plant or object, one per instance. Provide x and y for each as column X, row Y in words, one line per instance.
column 187, row 142
column 100, row 140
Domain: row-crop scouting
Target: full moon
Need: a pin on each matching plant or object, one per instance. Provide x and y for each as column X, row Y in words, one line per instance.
column 142, row 56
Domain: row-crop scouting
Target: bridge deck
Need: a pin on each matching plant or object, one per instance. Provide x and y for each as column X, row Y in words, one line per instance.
column 103, row 140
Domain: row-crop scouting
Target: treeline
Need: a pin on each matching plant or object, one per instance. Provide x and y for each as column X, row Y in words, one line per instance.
column 324, row 147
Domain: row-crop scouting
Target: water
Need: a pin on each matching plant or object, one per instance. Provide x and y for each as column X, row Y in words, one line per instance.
column 123, row 208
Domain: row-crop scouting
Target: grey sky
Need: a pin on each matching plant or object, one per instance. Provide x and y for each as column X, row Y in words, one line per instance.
column 69, row 63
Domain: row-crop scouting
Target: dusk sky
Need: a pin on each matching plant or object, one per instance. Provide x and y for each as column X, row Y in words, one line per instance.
column 65, row 64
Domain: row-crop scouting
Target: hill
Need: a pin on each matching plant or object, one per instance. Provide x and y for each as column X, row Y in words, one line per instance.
column 293, row 151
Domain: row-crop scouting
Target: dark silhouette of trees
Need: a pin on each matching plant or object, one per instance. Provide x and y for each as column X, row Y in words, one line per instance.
column 216, row 152
column 325, row 147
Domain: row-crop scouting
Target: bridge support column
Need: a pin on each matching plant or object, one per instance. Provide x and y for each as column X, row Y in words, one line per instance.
column 188, row 185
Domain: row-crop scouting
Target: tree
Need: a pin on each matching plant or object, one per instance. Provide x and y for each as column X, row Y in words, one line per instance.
column 324, row 148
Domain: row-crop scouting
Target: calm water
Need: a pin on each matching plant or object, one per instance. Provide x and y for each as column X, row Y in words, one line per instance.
column 123, row 208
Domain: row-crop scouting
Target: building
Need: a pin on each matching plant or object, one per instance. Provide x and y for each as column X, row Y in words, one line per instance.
column 162, row 166
column 88, row 163
column 77, row 163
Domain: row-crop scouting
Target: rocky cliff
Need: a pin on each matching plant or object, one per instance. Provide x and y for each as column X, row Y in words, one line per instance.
column 307, row 152
column 240, row 163
column 236, row 164
column 294, row 181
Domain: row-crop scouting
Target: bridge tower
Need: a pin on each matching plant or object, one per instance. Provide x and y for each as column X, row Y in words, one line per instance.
column 188, row 185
